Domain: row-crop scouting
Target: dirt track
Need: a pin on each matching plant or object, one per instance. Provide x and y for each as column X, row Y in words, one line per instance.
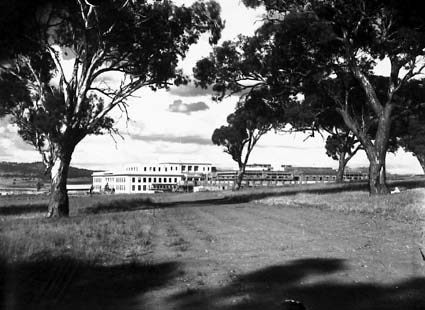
column 252, row 256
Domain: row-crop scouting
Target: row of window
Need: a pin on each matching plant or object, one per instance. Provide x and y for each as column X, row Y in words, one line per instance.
column 355, row 177
column 149, row 180
column 139, row 188
column 321, row 178
column 176, row 168
column 154, row 169
column 279, row 177
column 120, row 187
column 172, row 168
column 195, row 168
column 307, row 178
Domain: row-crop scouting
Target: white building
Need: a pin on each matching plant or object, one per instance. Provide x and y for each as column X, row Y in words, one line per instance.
column 138, row 178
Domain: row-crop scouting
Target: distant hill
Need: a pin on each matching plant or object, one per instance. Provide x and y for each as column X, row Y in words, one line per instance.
column 36, row 170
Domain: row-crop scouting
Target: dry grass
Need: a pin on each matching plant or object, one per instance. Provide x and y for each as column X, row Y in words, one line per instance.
column 113, row 228
column 26, row 204
column 99, row 257
column 106, row 238
column 407, row 205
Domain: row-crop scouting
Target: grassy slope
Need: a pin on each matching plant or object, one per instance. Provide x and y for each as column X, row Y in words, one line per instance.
column 23, row 204
column 406, row 205
column 102, row 222
column 107, row 237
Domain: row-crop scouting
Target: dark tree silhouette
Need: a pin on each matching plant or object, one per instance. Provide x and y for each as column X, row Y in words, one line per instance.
column 414, row 138
column 66, row 64
column 252, row 119
column 341, row 146
column 314, row 42
column 410, row 127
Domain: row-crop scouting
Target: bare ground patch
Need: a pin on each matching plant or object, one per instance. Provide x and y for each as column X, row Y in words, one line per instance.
column 260, row 255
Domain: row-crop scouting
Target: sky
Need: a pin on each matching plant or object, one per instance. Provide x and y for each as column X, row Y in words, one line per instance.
column 177, row 125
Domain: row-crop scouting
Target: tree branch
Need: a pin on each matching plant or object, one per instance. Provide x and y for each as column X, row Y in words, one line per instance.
column 369, row 90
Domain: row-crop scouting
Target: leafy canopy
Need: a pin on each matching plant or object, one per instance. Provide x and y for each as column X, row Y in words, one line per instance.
column 65, row 64
column 253, row 117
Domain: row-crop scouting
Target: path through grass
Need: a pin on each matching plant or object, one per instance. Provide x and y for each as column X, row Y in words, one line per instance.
column 218, row 251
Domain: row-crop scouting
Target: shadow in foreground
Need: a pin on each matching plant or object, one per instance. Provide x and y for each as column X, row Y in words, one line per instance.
column 120, row 205
column 306, row 281
column 23, row 209
column 67, row 283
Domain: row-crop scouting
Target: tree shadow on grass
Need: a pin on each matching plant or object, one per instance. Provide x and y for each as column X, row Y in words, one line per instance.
column 112, row 205
column 304, row 280
column 23, row 209
column 67, row 283
column 121, row 205
column 243, row 196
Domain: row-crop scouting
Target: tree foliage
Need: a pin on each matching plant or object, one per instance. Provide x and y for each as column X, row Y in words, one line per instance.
column 320, row 44
column 413, row 140
column 410, row 126
column 252, row 118
column 66, row 64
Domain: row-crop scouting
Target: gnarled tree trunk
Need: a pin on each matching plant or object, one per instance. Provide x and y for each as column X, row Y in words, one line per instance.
column 59, row 202
column 377, row 154
column 377, row 177
column 376, row 150
column 239, row 178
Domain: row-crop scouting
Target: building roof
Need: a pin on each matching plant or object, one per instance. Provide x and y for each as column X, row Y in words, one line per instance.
column 316, row 171
column 183, row 163
column 139, row 173
column 74, row 187
column 261, row 165
column 310, row 170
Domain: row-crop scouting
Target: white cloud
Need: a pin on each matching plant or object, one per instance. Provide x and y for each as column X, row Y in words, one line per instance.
column 178, row 106
column 238, row 20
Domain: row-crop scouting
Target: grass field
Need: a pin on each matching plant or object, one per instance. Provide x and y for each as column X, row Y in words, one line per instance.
column 329, row 248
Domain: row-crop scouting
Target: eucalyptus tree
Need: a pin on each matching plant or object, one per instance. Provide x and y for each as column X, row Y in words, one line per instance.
column 341, row 143
column 341, row 146
column 413, row 140
column 71, row 62
column 253, row 118
column 305, row 42
column 410, row 127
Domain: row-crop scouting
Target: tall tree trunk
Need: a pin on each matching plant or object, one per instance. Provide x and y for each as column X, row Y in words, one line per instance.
column 421, row 159
column 239, row 178
column 377, row 179
column 377, row 150
column 383, row 174
column 377, row 154
column 59, row 202
column 341, row 168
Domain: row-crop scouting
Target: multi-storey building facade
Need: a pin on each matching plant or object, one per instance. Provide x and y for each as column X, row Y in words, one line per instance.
column 171, row 176
column 264, row 175
column 138, row 178
column 226, row 178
